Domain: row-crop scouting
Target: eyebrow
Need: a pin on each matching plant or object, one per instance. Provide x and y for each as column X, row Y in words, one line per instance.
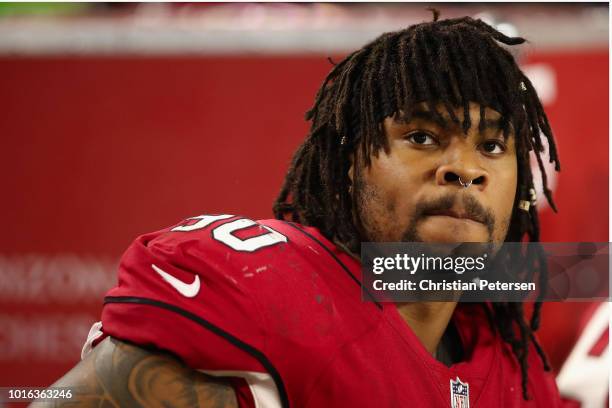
column 495, row 124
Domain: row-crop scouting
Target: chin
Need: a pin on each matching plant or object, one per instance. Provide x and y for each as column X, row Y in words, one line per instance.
column 450, row 231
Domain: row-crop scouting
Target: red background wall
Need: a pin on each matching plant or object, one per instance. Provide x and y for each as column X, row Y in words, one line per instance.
column 98, row 150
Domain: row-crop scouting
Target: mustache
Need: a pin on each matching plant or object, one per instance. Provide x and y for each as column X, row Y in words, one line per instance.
column 472, row 207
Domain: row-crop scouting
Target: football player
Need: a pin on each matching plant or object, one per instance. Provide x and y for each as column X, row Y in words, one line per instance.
column 423, row 134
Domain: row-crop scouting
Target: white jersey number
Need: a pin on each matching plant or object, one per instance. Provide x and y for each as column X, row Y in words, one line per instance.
column 225, row 233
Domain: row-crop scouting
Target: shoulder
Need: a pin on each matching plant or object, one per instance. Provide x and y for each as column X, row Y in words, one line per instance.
column 223, row 254
column 229, row 294
column 232, row 267
column 227, row 234
column 229, row 246
column 196, row 289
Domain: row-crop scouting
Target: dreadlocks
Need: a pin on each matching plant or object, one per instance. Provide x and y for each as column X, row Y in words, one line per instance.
column 445, row 64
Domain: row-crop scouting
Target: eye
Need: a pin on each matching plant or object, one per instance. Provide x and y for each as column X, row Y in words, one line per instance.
column 493, row 147
column 421, row 138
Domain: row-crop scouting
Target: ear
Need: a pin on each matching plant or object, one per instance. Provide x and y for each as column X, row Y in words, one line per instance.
column 351, row 170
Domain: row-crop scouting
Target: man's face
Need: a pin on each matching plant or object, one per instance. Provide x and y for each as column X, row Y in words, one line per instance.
column 413, row 193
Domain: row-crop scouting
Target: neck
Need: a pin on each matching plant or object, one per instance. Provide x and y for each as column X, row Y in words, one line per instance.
column 428, row 320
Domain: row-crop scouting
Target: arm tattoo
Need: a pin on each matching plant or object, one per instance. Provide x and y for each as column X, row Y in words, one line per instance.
column 118, row 374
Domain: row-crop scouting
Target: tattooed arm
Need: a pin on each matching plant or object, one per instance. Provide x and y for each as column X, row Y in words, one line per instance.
column 118, row 374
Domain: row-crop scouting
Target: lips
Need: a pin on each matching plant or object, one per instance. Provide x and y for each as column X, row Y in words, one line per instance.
column 459, row 214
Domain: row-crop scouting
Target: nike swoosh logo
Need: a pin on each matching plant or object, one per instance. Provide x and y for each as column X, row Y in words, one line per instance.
column 186, row 289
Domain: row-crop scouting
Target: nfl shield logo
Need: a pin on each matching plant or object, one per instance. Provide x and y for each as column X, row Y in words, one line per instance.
column 460, row 394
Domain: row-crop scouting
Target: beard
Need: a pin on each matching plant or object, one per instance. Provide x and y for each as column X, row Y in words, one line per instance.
column 376, row 213
column 473, row 209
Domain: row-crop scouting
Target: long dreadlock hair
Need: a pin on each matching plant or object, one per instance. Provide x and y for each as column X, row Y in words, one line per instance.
column 443, row 63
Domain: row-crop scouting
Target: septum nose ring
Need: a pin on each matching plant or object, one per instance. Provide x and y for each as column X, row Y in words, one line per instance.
column 465, row 184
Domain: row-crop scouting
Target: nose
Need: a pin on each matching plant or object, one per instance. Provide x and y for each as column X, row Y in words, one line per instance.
column 463, row 174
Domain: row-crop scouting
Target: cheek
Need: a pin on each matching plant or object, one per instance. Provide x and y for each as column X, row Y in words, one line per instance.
column 387, row 198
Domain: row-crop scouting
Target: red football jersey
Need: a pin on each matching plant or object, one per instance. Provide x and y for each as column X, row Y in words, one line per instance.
column 278, row 305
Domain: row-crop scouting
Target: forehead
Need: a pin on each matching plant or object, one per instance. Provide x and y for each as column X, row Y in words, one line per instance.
column 422, row 111
column 479, row 116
